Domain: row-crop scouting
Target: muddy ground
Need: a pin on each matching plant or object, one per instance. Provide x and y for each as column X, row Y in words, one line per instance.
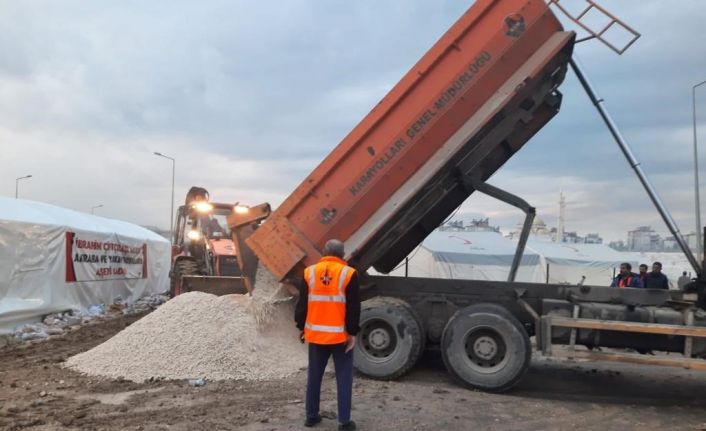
column 36, row 393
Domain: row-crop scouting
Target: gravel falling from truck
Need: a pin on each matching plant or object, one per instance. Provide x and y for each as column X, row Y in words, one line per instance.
column 269, row 298
column 199, row 335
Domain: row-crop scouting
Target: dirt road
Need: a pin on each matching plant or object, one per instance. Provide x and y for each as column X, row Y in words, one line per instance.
column 36, row 393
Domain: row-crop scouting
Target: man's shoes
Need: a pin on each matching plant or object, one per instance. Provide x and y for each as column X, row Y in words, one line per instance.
column 310, row 422
column 349, row 426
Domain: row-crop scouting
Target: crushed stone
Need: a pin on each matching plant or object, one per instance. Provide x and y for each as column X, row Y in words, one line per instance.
column 199, row 335
column 268, row 297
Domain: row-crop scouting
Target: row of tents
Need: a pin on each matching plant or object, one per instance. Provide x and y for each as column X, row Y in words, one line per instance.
column 54, row 259
column 489, row 255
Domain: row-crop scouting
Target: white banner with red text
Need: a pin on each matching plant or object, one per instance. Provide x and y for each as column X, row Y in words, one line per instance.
column 91, row 257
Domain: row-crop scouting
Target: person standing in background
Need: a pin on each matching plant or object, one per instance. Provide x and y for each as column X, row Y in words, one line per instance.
column 643, row 273
column 655, row 279
column 683, row 280
column 626, row 278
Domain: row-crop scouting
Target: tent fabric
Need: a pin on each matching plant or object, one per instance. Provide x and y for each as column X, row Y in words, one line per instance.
column 44, row 248
column 568, row 263
column 583, row 254
column 489, row 255
column 468, row 255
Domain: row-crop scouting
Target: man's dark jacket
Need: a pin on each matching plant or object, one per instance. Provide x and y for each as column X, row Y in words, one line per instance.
column 655, row 280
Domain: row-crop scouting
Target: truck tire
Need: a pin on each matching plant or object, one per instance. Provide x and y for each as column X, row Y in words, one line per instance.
column 391, row 339
column 181, row 267
column 485, row 347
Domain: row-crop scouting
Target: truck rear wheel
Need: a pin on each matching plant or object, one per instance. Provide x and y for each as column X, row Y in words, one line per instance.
column 390, row 341
column 485, row 347
column 181, row 268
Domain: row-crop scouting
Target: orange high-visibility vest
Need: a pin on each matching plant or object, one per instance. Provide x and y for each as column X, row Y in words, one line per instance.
column 326, row 308
column 625, row 282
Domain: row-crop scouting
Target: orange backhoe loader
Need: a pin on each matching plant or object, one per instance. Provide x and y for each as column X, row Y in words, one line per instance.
column 207, row 255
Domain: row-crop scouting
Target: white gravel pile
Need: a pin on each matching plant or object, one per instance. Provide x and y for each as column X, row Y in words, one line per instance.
column 199, row 335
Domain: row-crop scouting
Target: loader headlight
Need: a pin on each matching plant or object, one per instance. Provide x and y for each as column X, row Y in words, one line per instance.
column 194, row 235
column 203, row 207
column 241, row 209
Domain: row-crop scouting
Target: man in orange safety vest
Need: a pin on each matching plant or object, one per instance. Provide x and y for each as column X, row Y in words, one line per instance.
column 328, row 314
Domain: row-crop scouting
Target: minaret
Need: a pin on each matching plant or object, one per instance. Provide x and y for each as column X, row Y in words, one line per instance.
column 562, row 218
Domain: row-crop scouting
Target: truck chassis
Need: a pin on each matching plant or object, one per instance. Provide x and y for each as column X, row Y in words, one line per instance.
column 483, row 328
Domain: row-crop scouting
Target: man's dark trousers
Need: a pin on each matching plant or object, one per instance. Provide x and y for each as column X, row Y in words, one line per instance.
column 343, row 363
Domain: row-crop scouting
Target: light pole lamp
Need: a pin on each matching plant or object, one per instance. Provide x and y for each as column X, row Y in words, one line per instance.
column 696, row 177
column 171, row 211
column 17, row 184
column 93, row 208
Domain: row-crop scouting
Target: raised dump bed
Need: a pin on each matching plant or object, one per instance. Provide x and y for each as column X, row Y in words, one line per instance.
column 474, row 99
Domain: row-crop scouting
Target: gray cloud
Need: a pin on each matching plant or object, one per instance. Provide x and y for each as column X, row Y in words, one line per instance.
column 249, row 97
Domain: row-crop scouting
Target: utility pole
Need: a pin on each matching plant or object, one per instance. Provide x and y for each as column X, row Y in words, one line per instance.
column 562, row 218
column 17, row 184
column 697, row 200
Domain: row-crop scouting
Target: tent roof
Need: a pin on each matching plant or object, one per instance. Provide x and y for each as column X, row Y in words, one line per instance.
column 24, row 211
column 454, row 243
column 478, row 243
column 577, row 252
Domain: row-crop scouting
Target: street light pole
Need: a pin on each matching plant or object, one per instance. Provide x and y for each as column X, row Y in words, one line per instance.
column 696, row 177
column 93, row 208
column 17, row 184
column 171, row 213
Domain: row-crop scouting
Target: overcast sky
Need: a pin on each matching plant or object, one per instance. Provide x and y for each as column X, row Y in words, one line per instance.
column 248, row 97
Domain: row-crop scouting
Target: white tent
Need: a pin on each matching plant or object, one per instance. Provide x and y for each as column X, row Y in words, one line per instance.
column 567, row 263
column 469, row 255
column 54, row 259
column 488, row 256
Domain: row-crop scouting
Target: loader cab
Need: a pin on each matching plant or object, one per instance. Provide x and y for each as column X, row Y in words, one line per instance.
column 214, row 225
column 204, row 254
column 202, row 221
column 202, row 233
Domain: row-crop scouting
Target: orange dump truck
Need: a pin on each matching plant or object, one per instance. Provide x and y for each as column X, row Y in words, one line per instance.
column 463, row 110
column 472, row 101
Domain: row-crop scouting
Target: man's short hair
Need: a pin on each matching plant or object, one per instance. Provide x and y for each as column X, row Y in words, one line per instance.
column 626, row 265
column 335, row 248
column 658, row 264
column 643, row 265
